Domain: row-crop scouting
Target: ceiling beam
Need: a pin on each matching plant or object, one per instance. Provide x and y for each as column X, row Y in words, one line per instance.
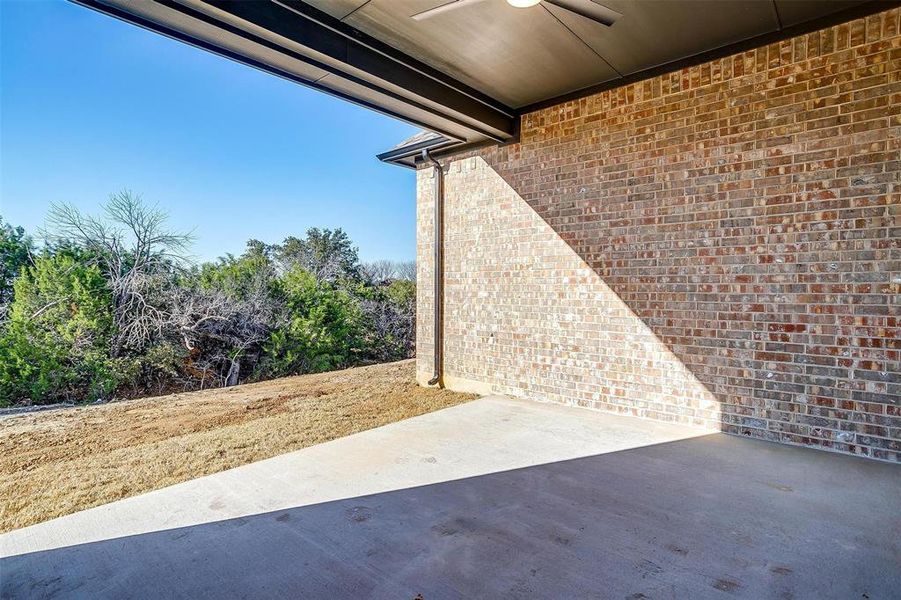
column 353, row 65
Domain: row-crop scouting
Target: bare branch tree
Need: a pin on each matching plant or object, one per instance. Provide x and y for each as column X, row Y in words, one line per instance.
column 380, row 272
column 391, row 327
column 406, row 270
column 218, row 329
column 136, row 253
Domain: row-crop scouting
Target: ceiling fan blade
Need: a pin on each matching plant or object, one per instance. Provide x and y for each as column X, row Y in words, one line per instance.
column 442, row 8
column 588, row 9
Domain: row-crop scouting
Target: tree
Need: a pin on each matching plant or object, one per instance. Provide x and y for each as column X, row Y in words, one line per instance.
column 378, row 272
column 226, row 313
column 136, row 253
column 390, row 321
column 16, row 249
column 220, row 331
column 111, row 305
column 383, row 272
column 55, row 345
column 327, row 254
column 321, row 330
column 406, row 270
column 239, row 277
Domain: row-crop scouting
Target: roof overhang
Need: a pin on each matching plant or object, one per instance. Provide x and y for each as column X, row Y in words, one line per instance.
column 468, row 74
column 294, row 40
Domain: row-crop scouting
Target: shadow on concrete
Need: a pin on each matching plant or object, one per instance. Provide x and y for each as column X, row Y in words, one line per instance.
column 713, row 516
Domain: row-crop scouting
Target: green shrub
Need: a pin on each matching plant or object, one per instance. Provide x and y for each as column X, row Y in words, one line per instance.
column 321, row 330
column 389, row 321
column 306, row 305
column 55, row 346
column 15, row 248
column 238, row 278
column 402, row 292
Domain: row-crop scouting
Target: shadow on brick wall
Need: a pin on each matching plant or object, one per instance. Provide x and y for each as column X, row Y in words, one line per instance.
column 527, row 314
column 778, row 309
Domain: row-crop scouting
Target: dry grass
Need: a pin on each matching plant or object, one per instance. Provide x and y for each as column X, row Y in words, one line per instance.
column 61, row 461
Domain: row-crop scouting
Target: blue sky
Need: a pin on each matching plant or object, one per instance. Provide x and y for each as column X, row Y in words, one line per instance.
column 90, row 105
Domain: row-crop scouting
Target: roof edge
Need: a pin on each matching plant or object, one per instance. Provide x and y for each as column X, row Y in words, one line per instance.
column 405, row 155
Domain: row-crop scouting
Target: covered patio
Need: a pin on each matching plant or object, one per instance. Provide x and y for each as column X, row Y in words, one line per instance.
column 683, row 211
column 494, row 498
column 681, row 214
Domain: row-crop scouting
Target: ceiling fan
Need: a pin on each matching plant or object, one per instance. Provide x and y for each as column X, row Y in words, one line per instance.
column 584, row 8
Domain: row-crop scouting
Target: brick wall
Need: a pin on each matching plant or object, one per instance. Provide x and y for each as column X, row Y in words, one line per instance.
column 716, row 246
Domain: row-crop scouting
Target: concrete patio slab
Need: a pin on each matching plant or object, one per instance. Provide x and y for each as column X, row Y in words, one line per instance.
column 494, row 498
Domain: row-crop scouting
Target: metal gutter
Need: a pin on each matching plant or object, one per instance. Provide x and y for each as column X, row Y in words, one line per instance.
column 405, row 156
column 438, row 269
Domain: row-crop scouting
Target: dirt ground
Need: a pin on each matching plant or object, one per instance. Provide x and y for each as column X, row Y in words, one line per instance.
column 61, row 461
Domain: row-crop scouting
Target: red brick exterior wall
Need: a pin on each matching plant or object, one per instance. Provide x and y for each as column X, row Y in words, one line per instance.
column 720, row 245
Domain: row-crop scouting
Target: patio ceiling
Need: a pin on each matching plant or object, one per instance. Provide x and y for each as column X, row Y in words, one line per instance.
column 468, row 73
column 522, row 57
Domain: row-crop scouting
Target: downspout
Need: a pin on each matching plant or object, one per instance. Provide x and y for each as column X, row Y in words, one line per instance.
column 438, row 248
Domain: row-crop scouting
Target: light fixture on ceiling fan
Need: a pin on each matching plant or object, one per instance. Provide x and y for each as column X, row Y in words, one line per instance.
column 584, row 8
